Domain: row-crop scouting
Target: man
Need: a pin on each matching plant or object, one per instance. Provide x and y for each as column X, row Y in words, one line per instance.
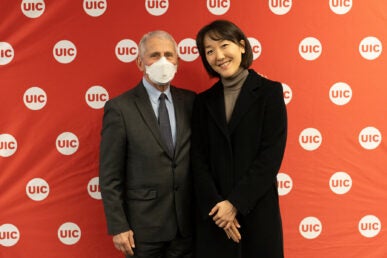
column 144, row 158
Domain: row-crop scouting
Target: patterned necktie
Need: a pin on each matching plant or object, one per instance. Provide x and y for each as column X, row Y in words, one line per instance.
column 164, row 124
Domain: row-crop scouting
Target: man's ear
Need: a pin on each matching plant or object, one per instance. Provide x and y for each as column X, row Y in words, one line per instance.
column 140, row 64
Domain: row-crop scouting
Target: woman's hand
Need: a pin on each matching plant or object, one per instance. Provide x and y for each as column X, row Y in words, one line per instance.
column 223, row 214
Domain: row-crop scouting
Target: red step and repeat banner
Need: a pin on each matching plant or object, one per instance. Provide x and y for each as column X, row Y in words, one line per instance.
column 60, row 61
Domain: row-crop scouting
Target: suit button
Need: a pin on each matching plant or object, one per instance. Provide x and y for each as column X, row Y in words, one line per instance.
column 174, row 165
column 175, row 188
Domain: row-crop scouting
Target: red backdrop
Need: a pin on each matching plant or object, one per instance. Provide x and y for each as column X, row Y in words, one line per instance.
column 61, row 60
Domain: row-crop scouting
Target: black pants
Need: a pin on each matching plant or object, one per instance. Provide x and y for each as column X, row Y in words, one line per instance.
column 179, row 247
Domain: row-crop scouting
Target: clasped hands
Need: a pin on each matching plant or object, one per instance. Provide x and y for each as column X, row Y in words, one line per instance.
column 224, row 216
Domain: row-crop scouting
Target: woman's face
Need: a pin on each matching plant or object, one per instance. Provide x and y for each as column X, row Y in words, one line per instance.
column 224, row 56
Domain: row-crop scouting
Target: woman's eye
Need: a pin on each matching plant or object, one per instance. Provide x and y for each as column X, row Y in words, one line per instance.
column 209, row 52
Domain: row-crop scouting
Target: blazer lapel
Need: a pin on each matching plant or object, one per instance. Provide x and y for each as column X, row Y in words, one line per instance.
column 215, row 105
column 145, row 109
column 247, row 96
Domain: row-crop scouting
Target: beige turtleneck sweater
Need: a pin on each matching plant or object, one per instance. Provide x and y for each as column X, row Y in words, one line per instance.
column 231, row 88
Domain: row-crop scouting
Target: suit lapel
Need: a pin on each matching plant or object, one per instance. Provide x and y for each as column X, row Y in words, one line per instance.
column 178, row 104
column 145, row 109
column 215, row 105
column 247, row 96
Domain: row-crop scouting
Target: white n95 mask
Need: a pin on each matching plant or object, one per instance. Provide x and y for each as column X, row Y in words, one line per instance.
column 161, row 72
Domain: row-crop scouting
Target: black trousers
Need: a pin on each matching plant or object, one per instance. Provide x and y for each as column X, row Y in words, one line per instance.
column 179, row 247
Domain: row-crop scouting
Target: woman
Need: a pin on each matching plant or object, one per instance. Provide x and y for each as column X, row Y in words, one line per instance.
column 238, row 140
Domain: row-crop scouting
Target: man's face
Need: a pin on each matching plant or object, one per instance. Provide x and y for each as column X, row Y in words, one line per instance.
column 155, row 48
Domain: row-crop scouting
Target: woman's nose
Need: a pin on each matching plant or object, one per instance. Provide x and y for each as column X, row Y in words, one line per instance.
column 219, row 55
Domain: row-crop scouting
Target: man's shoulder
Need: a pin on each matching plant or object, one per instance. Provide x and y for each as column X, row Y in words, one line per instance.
column 127, row 94
column 183, row 92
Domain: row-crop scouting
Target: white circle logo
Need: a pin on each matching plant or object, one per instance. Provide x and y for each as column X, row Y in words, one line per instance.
column 94, row 189
column 340, row 183
column 126, row 50
column 255, row 47
column 188, row 50
column 35, row 98
column 37, row 189
column 285, row 184
column 340, row 93
column 156, row 7
column 218, row 7
column 288, row 94
column 6, row 53
column 8, row 145
column 310, row 227
column 370, row 226
column 67, row 143
column 370, row 138
column 96, row 97
column 310, row 139
column 370, row 48
column 94, row 8
column 69, row 233
column 64, row 51
column 32, row 8
column 340, row 6
column 9, row 235
column 280, row 7
column 310, row 48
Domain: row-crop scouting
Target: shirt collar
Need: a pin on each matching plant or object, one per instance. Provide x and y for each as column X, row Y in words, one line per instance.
column 154, row 93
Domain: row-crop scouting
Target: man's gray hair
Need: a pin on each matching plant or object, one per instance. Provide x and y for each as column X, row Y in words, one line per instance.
column 158, row 34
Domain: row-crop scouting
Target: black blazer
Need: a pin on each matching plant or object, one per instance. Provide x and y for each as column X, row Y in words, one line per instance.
column 239, row 162
column 143, row 188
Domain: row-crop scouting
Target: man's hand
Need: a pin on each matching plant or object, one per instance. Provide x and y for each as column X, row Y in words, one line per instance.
column 224, row 213
column 124, row 242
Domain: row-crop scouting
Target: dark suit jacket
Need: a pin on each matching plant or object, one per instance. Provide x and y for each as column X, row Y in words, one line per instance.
column 239, row 162
column 143, row 188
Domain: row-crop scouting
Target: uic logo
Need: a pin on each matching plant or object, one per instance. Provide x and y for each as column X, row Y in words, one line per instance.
column 188, row 50
column 218, row 7
column 310, row 139
column 370, row 138
column 96, row 97
column 310, row 227
column 370, row 226
column 8, row 145
column 64, row 51
column 288, row 94
column 280, row 7
column 37, row 189
column 67, row 143
column 69, row 233
column 285, row 184
column 255, row 47
column 94, row 189
column 9, row 235
column 370, row 48
column 310, row 48
column 95, row 8
column 126, row 50
column 35, row 98
column 6, row 53
column 32, row 8
column 340, row 93
column 340, row 183
column 156, row 7
column 340, row 6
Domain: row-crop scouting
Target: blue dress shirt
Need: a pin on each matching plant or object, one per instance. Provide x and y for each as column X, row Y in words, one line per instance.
column 154, row 95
